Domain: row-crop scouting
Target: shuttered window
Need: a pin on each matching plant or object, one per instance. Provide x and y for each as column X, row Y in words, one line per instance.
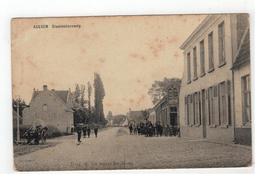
column 213, row 105
column 221, row 43
column 210, row 52
column 216, row 106
column 188, row 68
column 246, row 99
column 191, row 115
column 223, row 107
column 187, row 110
column 210, row 105
column 195, row 74
column 202, row 58
column 196, row 108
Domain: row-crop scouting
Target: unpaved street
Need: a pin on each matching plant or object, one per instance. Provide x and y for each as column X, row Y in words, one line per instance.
column 116, row 149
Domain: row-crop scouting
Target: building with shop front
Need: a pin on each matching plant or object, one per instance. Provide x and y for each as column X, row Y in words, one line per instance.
column 208, row 94
column 167, row 109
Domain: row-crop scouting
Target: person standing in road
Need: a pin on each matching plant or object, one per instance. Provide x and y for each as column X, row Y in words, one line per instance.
column 130, row 129
column 88, row 131
column 84, row 129
column 96, row 130
column 79, row 131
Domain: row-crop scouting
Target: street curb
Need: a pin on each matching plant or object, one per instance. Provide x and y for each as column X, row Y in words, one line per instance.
column 220, row 143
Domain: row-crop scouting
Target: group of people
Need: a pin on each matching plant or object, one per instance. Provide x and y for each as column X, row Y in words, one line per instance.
column 86, row 130
column 149, row 129
column 36, row 134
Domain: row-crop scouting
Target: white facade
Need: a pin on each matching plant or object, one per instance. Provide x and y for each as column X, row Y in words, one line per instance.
column 207, row 99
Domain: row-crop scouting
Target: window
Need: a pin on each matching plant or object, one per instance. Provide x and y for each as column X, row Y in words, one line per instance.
column 202, row 58
column 196, row 108
column 209, row 106
column 221, row 43
column 45, row 107
column 195, row 76
column 213, row 106
column 246, row 99
column 187, row 110
column 188, row 68
column 223, row 100
column 192, row 109
column 191, row 116
column 210, row 52
column 173, row 116
column 216, row 106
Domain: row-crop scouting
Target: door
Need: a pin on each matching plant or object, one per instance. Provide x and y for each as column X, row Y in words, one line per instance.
column 173, row 116
column 203, row 113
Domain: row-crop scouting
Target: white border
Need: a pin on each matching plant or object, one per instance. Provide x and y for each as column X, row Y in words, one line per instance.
column 50, row 8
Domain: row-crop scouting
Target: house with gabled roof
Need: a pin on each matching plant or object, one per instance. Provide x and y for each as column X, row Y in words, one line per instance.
column 242, row 92
column 53, row 107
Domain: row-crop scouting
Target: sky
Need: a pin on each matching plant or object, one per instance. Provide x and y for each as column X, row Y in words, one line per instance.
column 129, row 53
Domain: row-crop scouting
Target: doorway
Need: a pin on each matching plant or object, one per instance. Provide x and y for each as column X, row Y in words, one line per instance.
column 203, row 115
column 173, row 116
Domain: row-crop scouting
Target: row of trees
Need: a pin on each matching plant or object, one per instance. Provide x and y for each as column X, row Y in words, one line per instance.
column 83, row 107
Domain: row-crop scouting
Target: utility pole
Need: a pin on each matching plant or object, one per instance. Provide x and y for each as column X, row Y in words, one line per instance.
column 18, row 119
column 18, row 105
column 18, row 122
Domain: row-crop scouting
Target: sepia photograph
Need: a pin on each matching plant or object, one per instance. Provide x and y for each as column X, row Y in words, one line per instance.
column 131, row 92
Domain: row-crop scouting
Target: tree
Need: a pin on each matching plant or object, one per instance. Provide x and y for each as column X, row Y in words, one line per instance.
column 89, row 96
column 159, row 88
column 76, row 96
column 82, row 96
column 99, row 96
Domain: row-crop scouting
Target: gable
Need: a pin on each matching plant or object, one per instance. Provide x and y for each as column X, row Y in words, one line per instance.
column 243, row 55
column 50, row 98
column 62, row 94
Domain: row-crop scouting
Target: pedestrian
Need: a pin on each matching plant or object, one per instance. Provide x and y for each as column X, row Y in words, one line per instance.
column 88, row 131
column 79, row 131
column 130, row 128
column 167, row 130
column 84, row 129
column 96, row 130
column 44, row 134
column 138, row 129
column 161, row 129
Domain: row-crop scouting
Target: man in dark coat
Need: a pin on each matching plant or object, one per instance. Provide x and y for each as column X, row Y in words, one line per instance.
column 84, row 129
column 96, row 130
column 130, row 129
column 79, row 131
column 88, row 131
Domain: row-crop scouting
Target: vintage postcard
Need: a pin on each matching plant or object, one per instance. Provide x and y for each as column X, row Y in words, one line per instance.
column 131, row 92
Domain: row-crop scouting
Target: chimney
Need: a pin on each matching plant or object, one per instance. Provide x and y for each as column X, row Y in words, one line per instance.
column 45, row 87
